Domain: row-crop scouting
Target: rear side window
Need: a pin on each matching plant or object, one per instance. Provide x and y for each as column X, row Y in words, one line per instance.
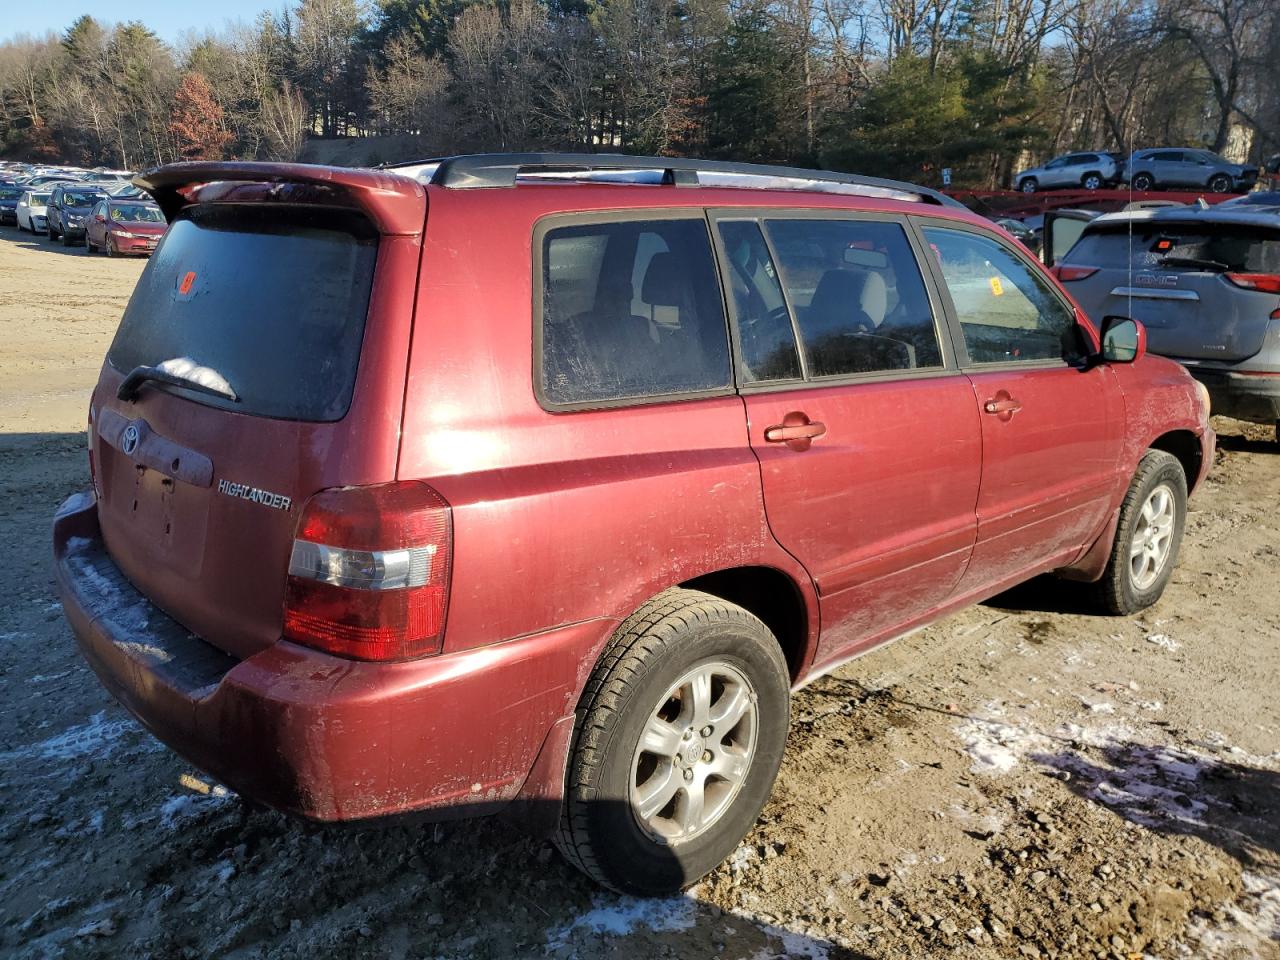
column 272, row 300
column 631, row 310
column 1006, row 311
column 766, row 339
column 859, row 300
column 1175, row 247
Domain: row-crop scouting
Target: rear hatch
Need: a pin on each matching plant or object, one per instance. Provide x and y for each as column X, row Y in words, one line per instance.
column 267, row 341
column 1186, row 281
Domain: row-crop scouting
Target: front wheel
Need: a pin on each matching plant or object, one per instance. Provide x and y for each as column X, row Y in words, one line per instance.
column 1148, row 535
column 679, row 736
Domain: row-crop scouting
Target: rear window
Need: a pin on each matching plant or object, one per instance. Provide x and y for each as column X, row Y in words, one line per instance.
column 272, row 300
column 10, row 193
column 1169, row 246
column 631, row 310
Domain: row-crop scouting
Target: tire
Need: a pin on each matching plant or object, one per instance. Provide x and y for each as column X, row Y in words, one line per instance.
column 1028, row 185
column 646, row 672
column 1091, row 181
column 66, row 239
column 1220, row 183
column 1121, row 591
column 111, row 252
column 1142, row 182
column 49, row 229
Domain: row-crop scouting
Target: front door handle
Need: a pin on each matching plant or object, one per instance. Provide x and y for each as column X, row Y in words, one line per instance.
column 1002, row 405
column 797, row 431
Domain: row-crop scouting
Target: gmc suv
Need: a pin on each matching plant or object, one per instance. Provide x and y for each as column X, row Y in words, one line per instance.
column 536, row 482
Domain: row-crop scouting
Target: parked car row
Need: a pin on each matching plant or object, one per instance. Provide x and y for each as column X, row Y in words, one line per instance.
column 1152, row 169
column 92, row 208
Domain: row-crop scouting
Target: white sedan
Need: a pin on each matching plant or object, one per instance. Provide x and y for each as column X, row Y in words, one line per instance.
column 31, row 210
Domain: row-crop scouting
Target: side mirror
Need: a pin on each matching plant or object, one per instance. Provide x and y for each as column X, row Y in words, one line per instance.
column 1124, row 340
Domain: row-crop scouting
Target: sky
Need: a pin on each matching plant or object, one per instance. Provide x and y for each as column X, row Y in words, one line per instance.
column 170, row 19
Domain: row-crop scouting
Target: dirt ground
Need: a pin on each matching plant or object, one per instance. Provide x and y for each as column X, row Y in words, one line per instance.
column 1023, row 779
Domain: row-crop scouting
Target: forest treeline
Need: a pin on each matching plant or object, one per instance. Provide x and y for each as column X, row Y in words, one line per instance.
column 892, row 87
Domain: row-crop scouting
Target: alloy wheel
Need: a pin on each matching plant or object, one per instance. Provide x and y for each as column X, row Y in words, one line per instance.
column 694, row 753
column 1152, row 537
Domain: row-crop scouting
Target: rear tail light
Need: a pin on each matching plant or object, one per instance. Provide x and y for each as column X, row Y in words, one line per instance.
column 369, row 573
column 1262, row 282
column 1074, row 273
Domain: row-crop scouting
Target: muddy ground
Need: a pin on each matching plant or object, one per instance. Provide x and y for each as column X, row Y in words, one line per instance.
column 1023, row 779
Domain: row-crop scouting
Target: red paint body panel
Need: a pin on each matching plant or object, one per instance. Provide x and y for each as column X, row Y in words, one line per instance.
column 1049, row 470
column 912, row 503
column 881, row 518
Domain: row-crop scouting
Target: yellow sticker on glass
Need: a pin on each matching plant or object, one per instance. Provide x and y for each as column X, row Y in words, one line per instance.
column 997, row 287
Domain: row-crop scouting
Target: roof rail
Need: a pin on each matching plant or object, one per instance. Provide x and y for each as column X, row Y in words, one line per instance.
column 503, row 170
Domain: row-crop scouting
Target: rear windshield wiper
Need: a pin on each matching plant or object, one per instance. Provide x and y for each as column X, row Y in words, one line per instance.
column 1194, row 262
column 132, row 384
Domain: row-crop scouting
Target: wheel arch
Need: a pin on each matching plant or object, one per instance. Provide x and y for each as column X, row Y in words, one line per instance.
column 1185, row 446
column 774, row 597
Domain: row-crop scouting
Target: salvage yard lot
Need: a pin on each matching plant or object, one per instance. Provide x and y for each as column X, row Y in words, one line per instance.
column 1022, row 779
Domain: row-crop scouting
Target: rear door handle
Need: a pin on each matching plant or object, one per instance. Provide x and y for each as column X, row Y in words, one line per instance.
column 1002, row 405
column 797, row 431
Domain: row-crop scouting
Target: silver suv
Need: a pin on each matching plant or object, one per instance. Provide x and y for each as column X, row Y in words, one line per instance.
column 1091, row 170
column 1164, row 167
column 1205, row 282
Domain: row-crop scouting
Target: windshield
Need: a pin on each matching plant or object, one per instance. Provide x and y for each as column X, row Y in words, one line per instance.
column 80, row 199
column 137, row 213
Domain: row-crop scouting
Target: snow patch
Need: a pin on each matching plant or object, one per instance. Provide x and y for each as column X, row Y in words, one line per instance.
column 1164, row 642
column 97, row 737
column 619, row 916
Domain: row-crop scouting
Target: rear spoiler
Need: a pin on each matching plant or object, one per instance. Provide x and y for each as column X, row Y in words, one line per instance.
column 396, row 205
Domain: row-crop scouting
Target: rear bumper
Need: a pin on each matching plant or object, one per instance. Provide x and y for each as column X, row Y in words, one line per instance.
column 1244, row 396
column 315, row 735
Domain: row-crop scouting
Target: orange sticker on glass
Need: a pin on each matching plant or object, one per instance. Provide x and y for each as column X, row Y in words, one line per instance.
column 185, row 286
column 997, row 287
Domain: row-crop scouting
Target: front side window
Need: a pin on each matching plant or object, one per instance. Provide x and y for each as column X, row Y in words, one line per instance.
column 1007, row 312
column 631, row 310
column 859, row 300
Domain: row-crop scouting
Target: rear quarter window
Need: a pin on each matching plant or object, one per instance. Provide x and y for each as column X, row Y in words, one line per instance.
column 272, row 299
column 630, row 311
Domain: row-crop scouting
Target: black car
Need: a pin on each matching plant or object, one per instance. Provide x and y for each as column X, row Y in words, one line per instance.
column 9, row 197
column 69, row 205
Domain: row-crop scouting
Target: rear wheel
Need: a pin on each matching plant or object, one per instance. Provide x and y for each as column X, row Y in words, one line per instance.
column 1143, row 182
column 1145, row 551
column 680, row 733
column 1028, row 185
column 1220, row 183
column 1091, row 181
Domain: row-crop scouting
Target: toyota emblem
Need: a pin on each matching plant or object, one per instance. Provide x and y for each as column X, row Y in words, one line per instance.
column 129, row 441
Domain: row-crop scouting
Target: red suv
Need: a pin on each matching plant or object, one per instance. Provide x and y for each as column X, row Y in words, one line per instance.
column 535, row 483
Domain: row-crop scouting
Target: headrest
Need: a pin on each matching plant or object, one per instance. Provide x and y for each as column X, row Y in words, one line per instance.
column 666, row 282
column 838, row 290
